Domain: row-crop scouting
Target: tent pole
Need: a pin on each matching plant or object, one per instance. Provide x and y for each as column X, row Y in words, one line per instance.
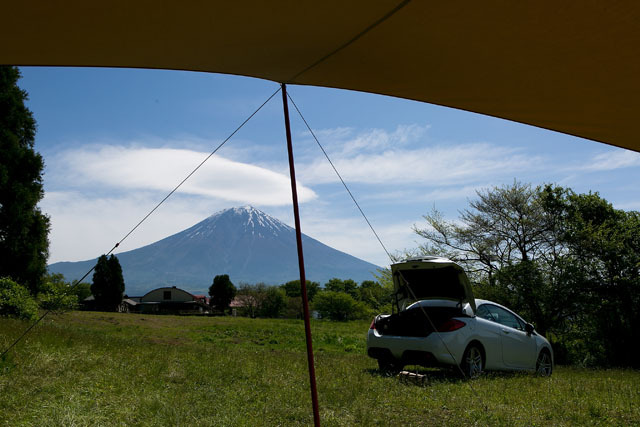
column 303, row 281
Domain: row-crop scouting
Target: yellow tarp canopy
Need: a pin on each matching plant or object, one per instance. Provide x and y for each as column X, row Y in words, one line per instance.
column 570, row 66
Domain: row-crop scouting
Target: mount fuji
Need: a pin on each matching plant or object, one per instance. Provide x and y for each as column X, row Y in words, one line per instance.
column 245, row 243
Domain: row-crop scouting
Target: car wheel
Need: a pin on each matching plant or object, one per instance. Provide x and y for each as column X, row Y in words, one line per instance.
column 472, row 363
column 389, row 366
column 544, row 366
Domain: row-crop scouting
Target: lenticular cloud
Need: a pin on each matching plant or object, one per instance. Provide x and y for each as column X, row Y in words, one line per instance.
column 161, row 169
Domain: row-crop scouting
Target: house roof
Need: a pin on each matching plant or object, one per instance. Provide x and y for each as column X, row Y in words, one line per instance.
column 167, row 288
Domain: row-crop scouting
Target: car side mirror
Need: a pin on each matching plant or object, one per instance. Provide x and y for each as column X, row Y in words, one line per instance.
column 528, row 328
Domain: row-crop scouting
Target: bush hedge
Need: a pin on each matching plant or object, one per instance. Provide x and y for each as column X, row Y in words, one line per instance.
column 16, row 301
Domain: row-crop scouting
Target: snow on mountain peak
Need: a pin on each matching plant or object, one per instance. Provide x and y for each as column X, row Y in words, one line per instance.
column 250, row 218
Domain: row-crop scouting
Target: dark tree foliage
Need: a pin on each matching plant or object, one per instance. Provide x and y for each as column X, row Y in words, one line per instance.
column 606, row 246
column 347, row 286
column 274, row 302
column 24, row 246
column 108, row 283
column 81, row 290
column 222, row 292
column 293, row 292
column 373, row 294
column 293, row 289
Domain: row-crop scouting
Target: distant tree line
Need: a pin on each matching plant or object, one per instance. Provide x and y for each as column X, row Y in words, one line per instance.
column 338, row 299
column 568, row 262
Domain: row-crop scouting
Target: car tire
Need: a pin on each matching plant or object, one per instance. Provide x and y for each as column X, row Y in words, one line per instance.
column 389, row 366
column 544, row 364
column 472, row 361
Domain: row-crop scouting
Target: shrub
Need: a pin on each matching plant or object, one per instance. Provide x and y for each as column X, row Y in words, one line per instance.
column 274, row 303
column 56, row 294
column 339, row 306
column 16, row 301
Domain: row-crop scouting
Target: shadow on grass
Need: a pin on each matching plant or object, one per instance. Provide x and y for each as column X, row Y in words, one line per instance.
column 430, row 375
column 6, row 364
column 415, row 375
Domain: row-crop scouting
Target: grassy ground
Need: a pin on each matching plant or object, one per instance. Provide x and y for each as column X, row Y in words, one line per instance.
column 84, row 368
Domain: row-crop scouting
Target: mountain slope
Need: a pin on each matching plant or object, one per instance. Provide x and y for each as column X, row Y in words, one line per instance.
column 245, row 243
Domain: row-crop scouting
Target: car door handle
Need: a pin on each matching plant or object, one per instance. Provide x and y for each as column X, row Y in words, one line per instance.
column 505, row 331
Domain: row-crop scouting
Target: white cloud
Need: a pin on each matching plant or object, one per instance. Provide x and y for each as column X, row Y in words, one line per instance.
column 161, row 169
column 615, row 159
column 331, row 135
column 83, row 227
column 343, row 142
column 429, row 166
column 376, row 140
column 465, row 192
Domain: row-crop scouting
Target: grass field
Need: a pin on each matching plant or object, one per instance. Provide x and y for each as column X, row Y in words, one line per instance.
column 86, row 368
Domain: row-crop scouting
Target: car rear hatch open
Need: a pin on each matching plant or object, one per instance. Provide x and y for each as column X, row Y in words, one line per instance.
column 429, row 278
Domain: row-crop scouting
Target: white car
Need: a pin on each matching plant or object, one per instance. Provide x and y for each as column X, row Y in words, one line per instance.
column 438, row 322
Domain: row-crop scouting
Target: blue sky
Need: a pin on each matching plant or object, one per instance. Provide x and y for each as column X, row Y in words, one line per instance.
column 115, row 141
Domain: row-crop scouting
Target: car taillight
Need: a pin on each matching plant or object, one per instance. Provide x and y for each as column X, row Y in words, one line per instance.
column 373, row 324
column 451, row 325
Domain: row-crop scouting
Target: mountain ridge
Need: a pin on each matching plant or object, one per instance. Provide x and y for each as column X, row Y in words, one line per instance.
column 243, row 242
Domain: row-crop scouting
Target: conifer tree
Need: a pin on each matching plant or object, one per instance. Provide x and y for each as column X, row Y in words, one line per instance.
column 108, row 283
column 24, row 247
column 222, row 292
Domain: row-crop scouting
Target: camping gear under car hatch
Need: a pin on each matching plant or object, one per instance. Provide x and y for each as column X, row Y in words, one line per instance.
column 423, row 278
